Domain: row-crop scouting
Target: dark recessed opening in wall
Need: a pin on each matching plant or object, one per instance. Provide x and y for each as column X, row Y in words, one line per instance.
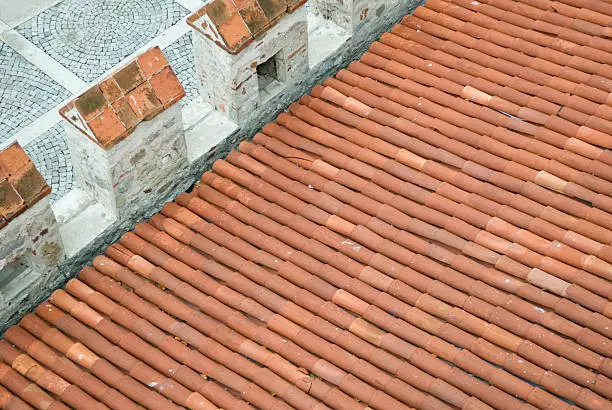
column 268, row 77
column 267, row 73
column 15, row 278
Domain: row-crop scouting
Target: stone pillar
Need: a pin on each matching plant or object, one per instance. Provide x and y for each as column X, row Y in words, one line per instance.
column 356, row 15
column 248, row 51
column 126, row 134
column 30, row 244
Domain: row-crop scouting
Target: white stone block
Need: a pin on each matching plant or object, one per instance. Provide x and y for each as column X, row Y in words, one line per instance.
column 140, row 166
column 356, row 15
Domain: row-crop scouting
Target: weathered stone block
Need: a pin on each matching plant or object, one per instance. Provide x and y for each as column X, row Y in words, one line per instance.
column 122, row 177
column 137, row 133
column 356, row 15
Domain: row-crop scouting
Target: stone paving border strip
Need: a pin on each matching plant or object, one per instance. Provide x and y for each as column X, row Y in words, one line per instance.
column 28, row 10
column 43, row 61
column 3, row 27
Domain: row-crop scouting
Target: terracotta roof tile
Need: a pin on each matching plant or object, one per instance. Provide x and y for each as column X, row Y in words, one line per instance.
column 107, row 127
column 254, row 18
column 152, row 62
column 167, row 87
column 111, row 90
column 428, row 229
column 234, row 24
column 144, row 102
column 12, row 203
column 21, row 185
column 12, row 159
column 91, row 103
column 125, row 113
column 130, row 76
column 29, row 184
column 273, row 9
column 235, row 32
column 108, row 112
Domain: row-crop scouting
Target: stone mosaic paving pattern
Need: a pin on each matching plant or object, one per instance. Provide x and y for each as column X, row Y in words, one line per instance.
column 180, row 57
column 26, row 92
column 90, row 37
column 51, row 156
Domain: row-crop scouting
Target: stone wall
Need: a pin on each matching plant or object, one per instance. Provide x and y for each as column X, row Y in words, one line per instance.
column 354, row 15
column 30, row 256
column 136, row 168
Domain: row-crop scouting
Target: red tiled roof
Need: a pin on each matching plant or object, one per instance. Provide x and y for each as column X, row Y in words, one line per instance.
column 110, row 111
column 234, row 24
column 429, row 229
column 21, row 185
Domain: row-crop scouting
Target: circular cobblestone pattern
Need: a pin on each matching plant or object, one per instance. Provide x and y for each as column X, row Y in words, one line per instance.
column 51, row 156
column 180, row 57
column 26, row 92
column 89, row 37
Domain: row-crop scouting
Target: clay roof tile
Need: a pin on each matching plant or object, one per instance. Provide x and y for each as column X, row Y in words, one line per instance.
column 21, row 185
column 12, row 159
column 129, row 77
column 427, row 229
column 234, row 24
column 11, row 204
column 254, row 18
column 29, row 184
column 152, row 61
column 111, row 110
column 274, row 9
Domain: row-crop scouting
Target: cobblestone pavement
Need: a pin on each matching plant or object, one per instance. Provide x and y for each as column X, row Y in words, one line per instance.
column 180, row 57
column 26, row 92
column 89, row 37
column 50, row 154
column 49, row 151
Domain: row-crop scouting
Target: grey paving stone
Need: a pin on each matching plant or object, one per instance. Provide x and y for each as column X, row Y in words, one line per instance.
column 180, row 57
column 89, row 37
column 50, row 154
column 26, row 93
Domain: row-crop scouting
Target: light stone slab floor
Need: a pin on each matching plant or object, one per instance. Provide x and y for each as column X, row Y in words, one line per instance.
column 51, row 50
column 13, row 12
